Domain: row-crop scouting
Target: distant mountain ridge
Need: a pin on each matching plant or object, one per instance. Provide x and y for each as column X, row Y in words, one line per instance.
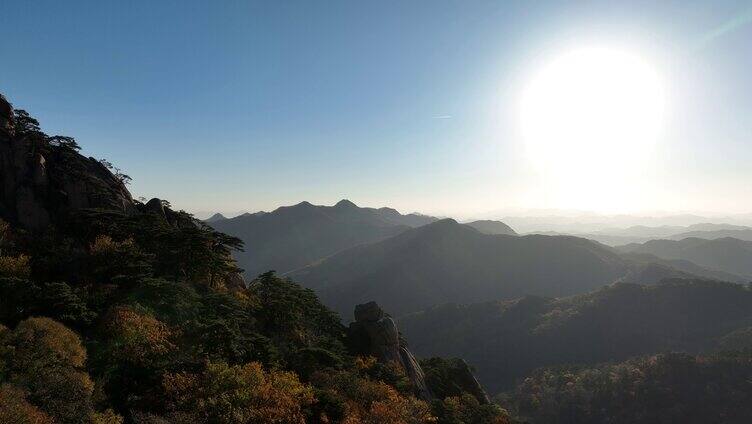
column 724, row 254
column 492, row 227
column 650, row 268
column 446, row 261
column 743, row 233
column 291, row 237
column 590, row 223
column 642, row 233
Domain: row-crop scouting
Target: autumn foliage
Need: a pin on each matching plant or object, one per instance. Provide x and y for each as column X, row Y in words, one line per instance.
column 237, row 394
column 138, row 337
column 44, row 370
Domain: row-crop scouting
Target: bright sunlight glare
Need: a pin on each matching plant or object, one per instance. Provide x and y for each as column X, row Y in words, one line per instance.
column 589, row 118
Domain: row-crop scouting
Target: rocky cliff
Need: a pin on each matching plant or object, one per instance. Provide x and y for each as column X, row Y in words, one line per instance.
column 45, row 182
column 43, row 178
column 375, row 333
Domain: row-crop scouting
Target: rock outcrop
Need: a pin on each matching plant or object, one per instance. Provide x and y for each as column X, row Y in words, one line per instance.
column 41, row 181
column 453, row 377
column 463, row 376
column 375, row 333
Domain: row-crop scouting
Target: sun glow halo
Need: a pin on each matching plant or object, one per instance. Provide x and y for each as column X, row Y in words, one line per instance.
column 592, row 108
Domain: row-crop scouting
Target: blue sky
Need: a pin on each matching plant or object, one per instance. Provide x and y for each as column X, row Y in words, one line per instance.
column 233, row 106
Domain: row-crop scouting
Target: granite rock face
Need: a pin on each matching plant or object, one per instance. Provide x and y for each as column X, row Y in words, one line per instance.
column 463, row 376
column 41, row 182
column 376, row 334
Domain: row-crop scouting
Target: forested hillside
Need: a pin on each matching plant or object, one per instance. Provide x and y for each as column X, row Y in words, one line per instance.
column 447, row 261
column 113, row 310
column 665, row 388
column 507, row 340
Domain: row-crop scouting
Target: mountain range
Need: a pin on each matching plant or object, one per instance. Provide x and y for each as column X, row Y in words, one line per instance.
column 744, row 233
column 351, row 255
column 447, row 261
column 641, row 233
column 292, row 237
column 141, row 313
column 726, row 254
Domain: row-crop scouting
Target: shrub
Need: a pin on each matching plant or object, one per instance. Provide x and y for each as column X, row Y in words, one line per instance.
column 15, row 409
column 15, row 267
column 466, row 409
column 138, row 337
column 357, row 399
column 46, row 359
column 237, row 394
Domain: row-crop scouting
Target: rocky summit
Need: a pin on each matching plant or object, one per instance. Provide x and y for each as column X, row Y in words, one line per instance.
column 43, row 178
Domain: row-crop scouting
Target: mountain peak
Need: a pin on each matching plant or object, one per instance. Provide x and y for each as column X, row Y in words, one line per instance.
column 445, row 222
column 492, row 227
column 216, row 217
column 344, row 203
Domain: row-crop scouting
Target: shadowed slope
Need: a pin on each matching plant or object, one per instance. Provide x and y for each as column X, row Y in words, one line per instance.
column 446, row 261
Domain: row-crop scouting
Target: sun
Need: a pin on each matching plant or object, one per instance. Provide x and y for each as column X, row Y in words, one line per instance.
column 589, row 115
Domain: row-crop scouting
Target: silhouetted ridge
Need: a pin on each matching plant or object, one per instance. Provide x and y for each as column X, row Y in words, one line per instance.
column 345, row 204
column 291, row 237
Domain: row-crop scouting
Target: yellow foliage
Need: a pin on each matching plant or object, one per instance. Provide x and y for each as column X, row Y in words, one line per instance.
column 43, row 342
column 104, row 244
column 15, row 409
column 363, row 363
column 395, row 409
column 238, row 394
column 139, row 337
column 466, row 408
column 106, row 417
column 46, row 359
column 17, row 266
column 64, row 393
column 372, row 402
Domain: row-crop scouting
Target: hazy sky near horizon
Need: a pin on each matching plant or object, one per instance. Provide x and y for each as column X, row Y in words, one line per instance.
column 244, row 106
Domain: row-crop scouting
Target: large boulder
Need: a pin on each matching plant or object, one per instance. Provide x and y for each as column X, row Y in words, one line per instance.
column 375, row 333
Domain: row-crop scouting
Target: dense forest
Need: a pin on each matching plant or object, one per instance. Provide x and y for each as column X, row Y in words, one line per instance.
column 660, row 389
column 506, row 340
column 114, row 310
